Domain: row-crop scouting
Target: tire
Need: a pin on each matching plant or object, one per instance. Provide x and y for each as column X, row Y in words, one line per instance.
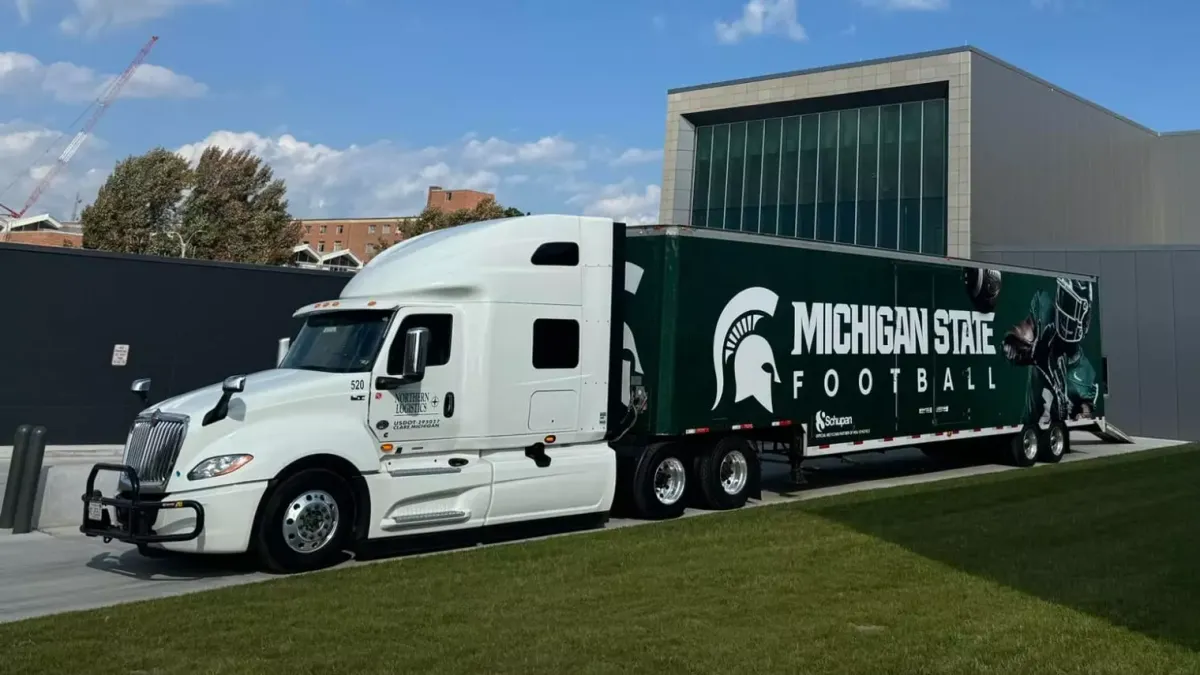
column 1023, row 447
column 288, row 544
column 660, row 483
column 725, row 473
column 1054, row 443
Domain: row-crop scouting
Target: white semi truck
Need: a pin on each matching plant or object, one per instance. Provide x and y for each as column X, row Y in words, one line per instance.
column 542, row 367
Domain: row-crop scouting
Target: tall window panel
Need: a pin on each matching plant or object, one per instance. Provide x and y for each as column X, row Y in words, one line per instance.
column 716, row 182
column 827, row 177
column 768, row 219
column 847, row 171
column 873, row 176
column 789, row 177
column 889, row 176
column 910, row 177
column 734, row 181
column 809, row 154
column 700, row 177
column 933, row 184
column 752, row 195
column 868, row 175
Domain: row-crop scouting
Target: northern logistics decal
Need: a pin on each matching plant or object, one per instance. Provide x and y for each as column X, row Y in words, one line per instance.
column 832, row 329
column 417, row 410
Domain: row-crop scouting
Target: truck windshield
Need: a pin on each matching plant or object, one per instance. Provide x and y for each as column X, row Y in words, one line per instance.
column 338, row 342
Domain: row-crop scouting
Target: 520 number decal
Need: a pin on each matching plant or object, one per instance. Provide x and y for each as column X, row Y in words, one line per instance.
column 358, row 385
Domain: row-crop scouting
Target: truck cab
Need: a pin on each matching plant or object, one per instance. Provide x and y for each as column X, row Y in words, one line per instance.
column 462, row 379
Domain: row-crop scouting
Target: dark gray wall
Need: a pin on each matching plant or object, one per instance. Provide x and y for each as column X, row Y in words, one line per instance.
column 187, row 324
column 1178, row 157
column 1050, row 169
column 1149, row 319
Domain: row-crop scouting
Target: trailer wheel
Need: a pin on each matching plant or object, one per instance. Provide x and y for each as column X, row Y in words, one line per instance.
column 660, row 483
column 1055, row 443
column 1023, row 447
column 726, row 472
column 305, row 522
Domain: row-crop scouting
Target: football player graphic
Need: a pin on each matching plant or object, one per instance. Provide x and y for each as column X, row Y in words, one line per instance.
column 1062, row 381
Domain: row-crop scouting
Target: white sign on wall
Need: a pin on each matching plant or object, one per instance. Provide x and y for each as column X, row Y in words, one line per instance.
column 120, row 355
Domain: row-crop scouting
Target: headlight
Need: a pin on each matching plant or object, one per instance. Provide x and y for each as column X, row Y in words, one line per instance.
column 219, row 466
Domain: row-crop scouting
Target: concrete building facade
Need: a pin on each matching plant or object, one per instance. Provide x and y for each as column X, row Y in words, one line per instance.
column 937, row 153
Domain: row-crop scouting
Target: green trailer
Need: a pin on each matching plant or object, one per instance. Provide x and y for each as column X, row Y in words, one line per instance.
column 832, row 349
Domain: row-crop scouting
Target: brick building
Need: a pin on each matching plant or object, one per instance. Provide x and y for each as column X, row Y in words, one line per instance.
column 41, row 231
column 453, row 200
column 363, row 236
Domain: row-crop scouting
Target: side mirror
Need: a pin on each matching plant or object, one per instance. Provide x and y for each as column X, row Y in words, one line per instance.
column 142, row 389
column 234, row 384
column 416, row 351
column 281, row 350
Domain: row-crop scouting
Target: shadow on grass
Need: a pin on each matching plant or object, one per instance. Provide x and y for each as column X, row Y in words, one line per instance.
column 1115, row 538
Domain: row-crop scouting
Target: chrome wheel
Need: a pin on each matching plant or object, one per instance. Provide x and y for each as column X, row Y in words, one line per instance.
column 1029, row 443
column 1057, row 441
column 670, row 479
column 735, row 471
column 310, row 521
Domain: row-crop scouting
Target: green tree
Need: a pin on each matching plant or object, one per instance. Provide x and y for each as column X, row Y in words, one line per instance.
column 139, row 201
column 237, row 210
column 229, row 207
column 432, row 219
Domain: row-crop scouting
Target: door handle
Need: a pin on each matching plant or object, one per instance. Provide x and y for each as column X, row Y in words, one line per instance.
column 448, row 404
column 458, row 461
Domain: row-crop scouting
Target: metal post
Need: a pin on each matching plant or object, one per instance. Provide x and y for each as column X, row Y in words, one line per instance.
column 281, row 350
column 31, row 479
column 15, row 466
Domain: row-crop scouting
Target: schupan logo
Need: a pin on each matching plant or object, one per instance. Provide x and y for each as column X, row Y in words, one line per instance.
column 839, row 329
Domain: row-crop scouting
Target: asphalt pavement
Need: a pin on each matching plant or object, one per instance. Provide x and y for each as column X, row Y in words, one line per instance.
column 60, row 570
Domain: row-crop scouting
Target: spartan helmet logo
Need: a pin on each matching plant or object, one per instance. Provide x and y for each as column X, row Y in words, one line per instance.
column 1072, row 309
column 754, row 370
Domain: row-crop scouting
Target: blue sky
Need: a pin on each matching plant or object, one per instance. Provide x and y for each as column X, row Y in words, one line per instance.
column 555, row 105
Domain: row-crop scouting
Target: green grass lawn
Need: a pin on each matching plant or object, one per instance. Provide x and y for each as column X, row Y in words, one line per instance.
column 1090, row 567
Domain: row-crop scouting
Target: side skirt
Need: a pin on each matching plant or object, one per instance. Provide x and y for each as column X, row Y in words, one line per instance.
column 404, row 545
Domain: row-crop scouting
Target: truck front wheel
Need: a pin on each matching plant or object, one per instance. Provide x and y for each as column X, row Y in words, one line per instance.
column 725, row 473
column 305, row 521
column 660, row 483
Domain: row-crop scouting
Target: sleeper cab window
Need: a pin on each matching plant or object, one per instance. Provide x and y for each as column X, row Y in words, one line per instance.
column 440, row 329
column 555, row 343
column 557, row 254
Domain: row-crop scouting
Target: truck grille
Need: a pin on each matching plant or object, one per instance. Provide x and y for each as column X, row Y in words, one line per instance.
column 153, row 446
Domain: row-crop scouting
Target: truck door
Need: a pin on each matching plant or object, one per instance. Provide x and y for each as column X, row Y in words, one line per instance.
column 415, row 415
column 432, row 484
column 915, row 382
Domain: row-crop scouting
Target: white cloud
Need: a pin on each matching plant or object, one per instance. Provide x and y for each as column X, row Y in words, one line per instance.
column 21, row 74
column 388, row 179
column 27, row 153
column 626, row 201
column 637, row 156
column 761, row 17
column 909, row 5
column 92, row 17
column 375, row 179
column 496, row 152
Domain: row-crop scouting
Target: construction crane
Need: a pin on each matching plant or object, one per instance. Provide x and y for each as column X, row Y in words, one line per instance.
column 102, row 104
